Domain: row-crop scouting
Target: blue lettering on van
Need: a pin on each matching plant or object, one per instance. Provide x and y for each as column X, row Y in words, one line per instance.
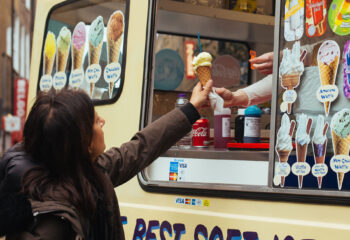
column 166, row 231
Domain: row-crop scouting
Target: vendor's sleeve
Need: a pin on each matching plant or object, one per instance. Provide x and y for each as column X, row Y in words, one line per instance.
column 260, row 91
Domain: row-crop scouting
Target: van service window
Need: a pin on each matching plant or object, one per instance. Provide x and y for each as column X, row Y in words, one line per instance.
column 84, row 48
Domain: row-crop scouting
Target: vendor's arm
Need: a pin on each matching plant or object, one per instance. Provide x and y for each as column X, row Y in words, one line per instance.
column 256, row 93
column 148, row 144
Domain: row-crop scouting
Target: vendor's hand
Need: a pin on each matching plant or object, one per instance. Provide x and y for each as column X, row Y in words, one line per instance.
column 200, row 94
column 237, row 98
column 263, row 63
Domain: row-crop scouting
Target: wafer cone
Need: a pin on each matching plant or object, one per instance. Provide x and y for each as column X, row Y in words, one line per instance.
column 319, row 159
column 327, row 77
column 283, row 156
column 62, row 57
column 111, row 86
column 94, row 53
column 301, row 157
column 114, row 49
column 48, row 65
column 77, row 57
column 290, row 81
column 341, row 146
column 92, row 87
column 204, row 74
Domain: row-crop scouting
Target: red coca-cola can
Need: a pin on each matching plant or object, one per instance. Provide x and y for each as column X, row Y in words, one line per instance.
column 200, row 133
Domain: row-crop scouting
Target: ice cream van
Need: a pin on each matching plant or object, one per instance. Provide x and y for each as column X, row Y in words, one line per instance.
column 134, row 57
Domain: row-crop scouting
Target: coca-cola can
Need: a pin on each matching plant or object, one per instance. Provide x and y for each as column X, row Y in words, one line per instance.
column 200, row 133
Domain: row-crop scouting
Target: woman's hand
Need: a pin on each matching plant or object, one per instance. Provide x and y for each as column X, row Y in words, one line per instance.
column 200, row 95
column 263, row 63
column 237, row 98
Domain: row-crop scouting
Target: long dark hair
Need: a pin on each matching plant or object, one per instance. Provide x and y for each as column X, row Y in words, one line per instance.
column 58, row 134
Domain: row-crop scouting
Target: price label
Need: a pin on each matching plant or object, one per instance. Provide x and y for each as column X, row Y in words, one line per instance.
column 76, row 78
column 340, row 163
column 45, row 83
column 289, row 96
column 93, row 73
column 301, row 168
column 112, row 72
column 59, row 80
column 319, row 170
column 283, row 169
column 327, row 93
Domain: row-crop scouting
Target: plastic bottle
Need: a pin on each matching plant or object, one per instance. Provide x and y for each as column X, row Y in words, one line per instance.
column 252, row 124
column 222, row 129
column 239, row 125
column 186, row 141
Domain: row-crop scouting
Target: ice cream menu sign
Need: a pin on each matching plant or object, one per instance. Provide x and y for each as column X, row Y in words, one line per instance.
column 313, row 137
column 69, row 48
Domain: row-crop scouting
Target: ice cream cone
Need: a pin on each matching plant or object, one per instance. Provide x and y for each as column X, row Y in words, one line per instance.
column 92, row 88
column 77, row 57
column 111, row 86
column 319, row 154
column 62, row 57
column 290, row 81
column 341, row 146
column 94, row 53
column 327, row 77
column 48, row 65
column 114, row 49
column 204, row 74
column 283, row 156
column 301, row 157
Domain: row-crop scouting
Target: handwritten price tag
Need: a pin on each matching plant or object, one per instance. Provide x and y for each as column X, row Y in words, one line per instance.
column 45, row 83
column 319, row 170
column 289, row 96
column 340, row 163
column 301, row 168
column 93, row 73
column 283, row 169
column 327, row 93
column 59, row 80
column 112, row 72
column 76, row 78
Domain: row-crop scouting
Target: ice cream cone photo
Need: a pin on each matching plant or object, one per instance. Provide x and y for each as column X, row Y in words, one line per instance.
column 340, row 126
column 202, row 66
column 284, row 142
column 96, row 40
column 115, row 34
column 319, row 144
column 49, row 53
column 63, row 45
column 291, row 69
column 302, row 140
column 328, row 60
column 78, row 45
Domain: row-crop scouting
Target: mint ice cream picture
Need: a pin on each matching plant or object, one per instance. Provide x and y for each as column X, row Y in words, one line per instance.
column 340, row 126
column 96, row 40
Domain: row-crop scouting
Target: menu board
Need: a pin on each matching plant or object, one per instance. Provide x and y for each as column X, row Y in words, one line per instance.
column 312, row 141
column 87, row 56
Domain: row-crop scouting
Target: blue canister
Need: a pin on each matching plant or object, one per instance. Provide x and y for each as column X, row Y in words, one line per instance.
column 252, row 124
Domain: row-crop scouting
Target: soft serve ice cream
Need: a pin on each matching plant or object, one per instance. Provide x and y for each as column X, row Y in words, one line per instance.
column 202, row 66
column 291, row 68
column 319, row 143
column 284, row 141
column 302, row 140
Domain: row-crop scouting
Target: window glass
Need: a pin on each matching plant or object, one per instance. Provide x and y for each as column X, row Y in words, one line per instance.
column 313, row 94
column 84, row 48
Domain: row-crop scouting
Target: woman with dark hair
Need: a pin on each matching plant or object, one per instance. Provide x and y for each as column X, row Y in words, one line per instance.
column 68, row 177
